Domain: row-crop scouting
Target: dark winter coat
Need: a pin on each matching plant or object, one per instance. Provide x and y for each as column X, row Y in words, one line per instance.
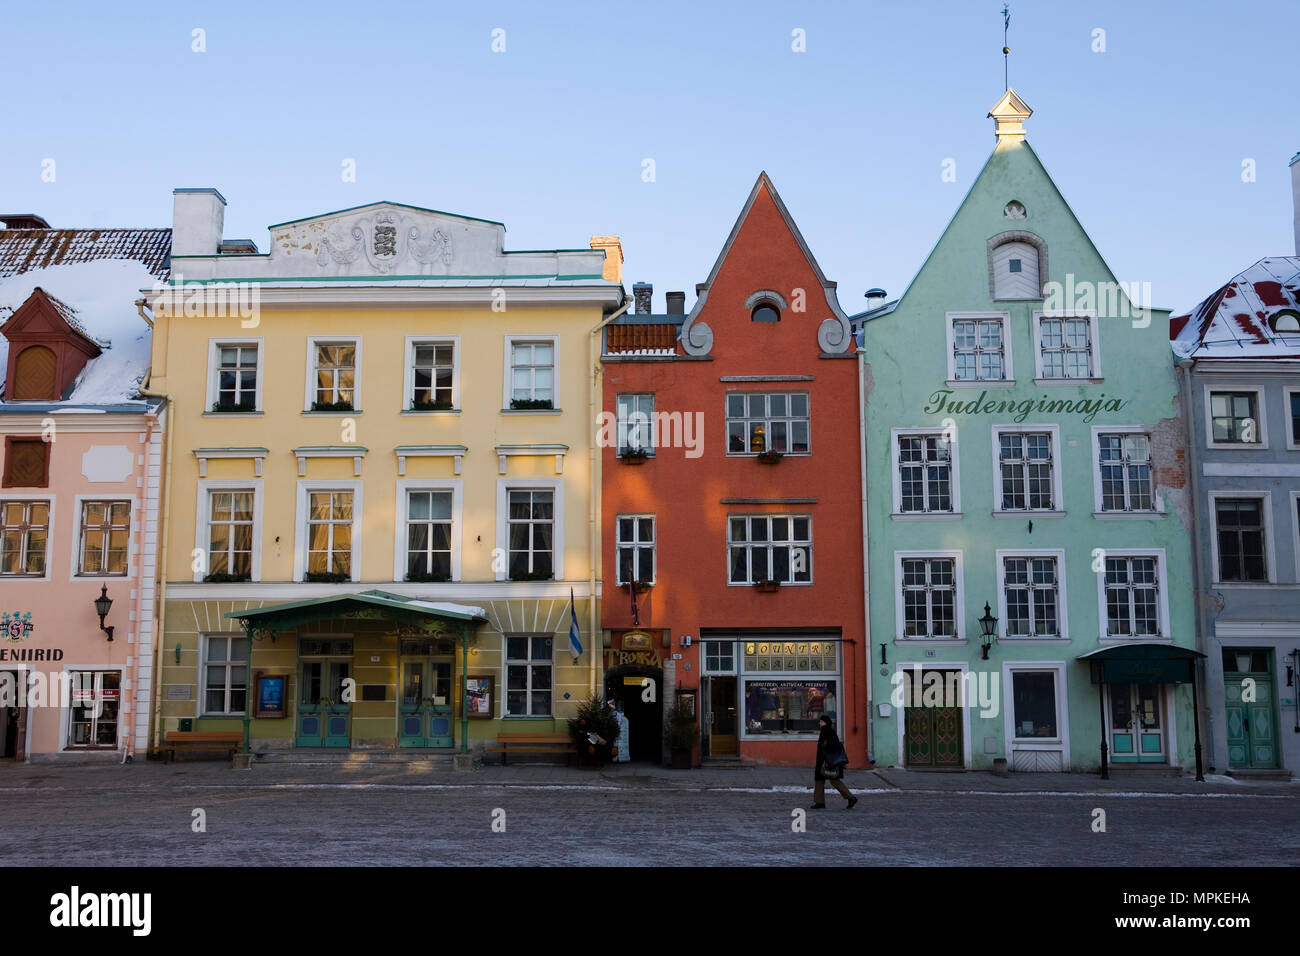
column 827, row 742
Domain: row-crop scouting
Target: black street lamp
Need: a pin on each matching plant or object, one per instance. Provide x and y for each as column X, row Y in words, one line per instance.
column 103, row 604
column 988, row 630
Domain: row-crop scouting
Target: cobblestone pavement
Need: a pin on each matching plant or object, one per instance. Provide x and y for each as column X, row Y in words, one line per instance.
column 317, row 815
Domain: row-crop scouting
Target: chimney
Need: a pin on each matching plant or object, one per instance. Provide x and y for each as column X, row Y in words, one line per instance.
column 25, row 220
column 875, row 298
column 198, row 216
column 1295, row 198
column 641, row 292
column 613, row 248
column 676, row 303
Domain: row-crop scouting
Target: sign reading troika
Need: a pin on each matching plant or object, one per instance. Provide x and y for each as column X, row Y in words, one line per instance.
column 942, row 403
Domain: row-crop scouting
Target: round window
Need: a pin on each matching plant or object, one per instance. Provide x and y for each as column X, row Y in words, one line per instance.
column 765, row 312
column 1286, row 321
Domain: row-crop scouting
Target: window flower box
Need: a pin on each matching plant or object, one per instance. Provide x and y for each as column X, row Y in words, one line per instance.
column 326, row 577
column 332, row 407
column 530, row 403
column 770, row 457
column 634, row 456
column 233, row 407
column 222, row 577
column 533, row 576
column 421, row 577
column 767, row 584
column 640, row 587
column 442, row 406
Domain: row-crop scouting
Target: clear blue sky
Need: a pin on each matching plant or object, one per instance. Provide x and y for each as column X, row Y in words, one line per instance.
column 1145, row 140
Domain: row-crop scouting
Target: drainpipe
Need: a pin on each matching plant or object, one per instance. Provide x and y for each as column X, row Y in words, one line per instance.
column 866, row 558
column 593, row 497
column 164, row 525
column 464, row 683
column 1193, row 466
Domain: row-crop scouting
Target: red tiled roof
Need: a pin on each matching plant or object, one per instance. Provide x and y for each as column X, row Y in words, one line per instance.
column 634, row 338
column 22, row 250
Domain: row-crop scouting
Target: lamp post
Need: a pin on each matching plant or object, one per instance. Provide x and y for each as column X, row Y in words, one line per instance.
column 103, row 604
column 988, row 630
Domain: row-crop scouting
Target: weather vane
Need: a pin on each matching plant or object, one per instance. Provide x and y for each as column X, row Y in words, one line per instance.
column 1006, row 50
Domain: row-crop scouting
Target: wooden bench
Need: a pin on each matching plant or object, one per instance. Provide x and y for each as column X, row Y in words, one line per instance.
column 527, row 744
column 201, row 740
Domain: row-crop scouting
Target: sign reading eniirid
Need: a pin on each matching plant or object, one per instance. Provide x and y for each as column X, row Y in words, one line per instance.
column 941, row 403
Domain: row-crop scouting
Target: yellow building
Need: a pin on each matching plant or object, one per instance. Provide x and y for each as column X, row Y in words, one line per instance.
column 380, row 478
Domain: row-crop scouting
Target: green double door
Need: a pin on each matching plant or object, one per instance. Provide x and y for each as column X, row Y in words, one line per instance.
column 324, row 710
column 1248, row 699
column 932, row 735
column 425, row 714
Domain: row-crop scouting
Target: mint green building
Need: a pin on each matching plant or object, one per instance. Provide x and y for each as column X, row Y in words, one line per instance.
column 1030, row 552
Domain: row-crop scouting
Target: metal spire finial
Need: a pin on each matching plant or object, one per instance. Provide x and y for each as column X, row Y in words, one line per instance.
column 1006, row 50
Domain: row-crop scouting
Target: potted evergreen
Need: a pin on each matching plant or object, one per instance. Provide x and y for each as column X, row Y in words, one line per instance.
column 681, row 733
column 634, row 455
column 594, row 732
column 770, row 457
column 767, row 584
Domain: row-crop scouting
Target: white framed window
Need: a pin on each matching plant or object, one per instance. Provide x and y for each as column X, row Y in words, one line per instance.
column 530, row 664
column 1026, row 473
column 1066, row 347
column 530, row 528
column 1031, row 595
column 635, row 549
column 1035, row 714
column 1241, row 548
column 329, row 530
column 225, row 675
column 1234, row 418
column 768, row 421
column 769, row 548
column 228, row 529
column 788, row 682
column 91, row 719
column 1294, row 518
column 1291, row 397
column 929, row 599
column 428, row 543
column 431, row 378
column 719, row 657
column 25, row 537
column 333, row 373
column 1123, row 475
column 979, row 348
column 635, row 418
column 532, row 372
column 105, row 545
column 1133, row 594
column 234, row 376
column 925, row 472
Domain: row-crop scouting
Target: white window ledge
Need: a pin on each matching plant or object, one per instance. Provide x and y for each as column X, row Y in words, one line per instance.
column 1029, row 514
column 926, row 515
column 993, row 383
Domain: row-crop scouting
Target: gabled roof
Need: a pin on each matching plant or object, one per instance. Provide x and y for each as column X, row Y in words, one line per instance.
column 22, row 250
column 705, row 340
column 64, row 311
column 385, row 202
column 1235, row 321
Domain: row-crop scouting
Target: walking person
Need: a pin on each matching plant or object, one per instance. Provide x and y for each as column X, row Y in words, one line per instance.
column 831, row 761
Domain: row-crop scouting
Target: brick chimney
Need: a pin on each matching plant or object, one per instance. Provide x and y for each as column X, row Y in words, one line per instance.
column 613, row 247
column 676, row 303
column 198, row 216
column 642, row 292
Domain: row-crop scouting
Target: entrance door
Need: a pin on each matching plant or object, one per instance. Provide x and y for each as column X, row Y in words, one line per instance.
column 722, row 718
column 426, row 704
column 1248, row 700
column 9, row 714
column 1137, row 733
column 932, row 735
column 324, row 717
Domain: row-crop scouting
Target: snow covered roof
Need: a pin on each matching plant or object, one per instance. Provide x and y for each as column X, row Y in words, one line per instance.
column 98, row 299
column 24, row 250
column 1237, row 320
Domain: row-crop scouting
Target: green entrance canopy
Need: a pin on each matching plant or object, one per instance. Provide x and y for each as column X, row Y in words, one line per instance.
column 376, row 605
column 1142, row 664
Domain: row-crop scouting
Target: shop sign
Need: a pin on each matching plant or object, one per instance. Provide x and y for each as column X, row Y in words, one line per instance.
column 617, row 658
column 636, row 641
column 16, row 626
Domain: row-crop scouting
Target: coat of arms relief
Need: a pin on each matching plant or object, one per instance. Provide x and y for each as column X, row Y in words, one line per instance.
column 386, row 240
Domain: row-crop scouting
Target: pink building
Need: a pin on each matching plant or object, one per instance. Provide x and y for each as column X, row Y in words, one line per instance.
column 80, row 490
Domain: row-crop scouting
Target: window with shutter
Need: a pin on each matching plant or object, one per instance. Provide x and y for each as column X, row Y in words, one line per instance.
column 34, row 375
column 26, row 463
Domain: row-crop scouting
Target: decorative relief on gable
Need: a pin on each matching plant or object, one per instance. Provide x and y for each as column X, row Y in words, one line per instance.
column 833, row 334
column 386, row 240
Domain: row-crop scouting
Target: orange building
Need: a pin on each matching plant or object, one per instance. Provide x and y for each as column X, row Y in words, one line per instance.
column 732, row 556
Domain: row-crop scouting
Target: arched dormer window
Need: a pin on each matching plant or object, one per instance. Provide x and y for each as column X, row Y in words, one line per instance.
column 1017, row 266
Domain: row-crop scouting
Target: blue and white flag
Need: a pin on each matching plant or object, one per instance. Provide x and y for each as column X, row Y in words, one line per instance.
column 575, row 644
